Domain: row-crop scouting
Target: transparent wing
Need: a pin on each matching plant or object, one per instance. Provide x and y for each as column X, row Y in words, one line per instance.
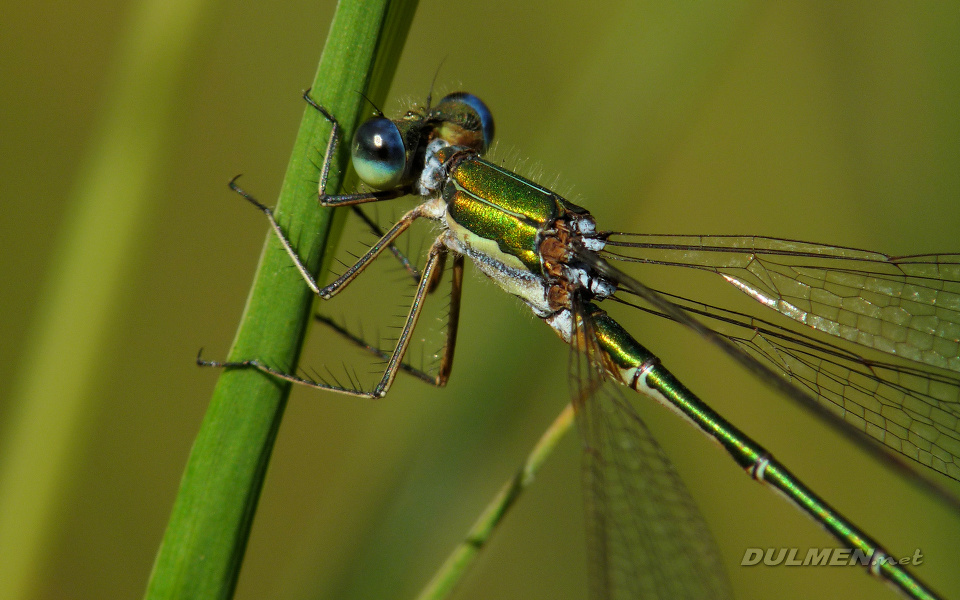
column 905, row 306
column 893, row 373
column 912, row 409
column 647, row 538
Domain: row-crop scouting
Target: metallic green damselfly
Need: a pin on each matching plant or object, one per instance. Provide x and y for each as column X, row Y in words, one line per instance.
column 645, row 531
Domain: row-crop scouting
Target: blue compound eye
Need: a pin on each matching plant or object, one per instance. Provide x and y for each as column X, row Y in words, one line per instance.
column 378, row 153
column 486, row 117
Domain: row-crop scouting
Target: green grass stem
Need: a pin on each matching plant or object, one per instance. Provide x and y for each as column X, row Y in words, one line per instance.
column 459, row 561
column 203, row 546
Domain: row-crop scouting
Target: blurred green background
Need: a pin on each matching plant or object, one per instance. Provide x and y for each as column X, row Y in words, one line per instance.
column 804, row 120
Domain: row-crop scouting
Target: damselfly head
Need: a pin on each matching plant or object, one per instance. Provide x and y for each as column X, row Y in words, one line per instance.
column 388, row 153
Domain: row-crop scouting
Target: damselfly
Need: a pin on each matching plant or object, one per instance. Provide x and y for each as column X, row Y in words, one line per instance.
column 548, row 252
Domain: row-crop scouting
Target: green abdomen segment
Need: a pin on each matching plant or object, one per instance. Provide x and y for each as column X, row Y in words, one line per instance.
column 499, row 212
column 627, row 361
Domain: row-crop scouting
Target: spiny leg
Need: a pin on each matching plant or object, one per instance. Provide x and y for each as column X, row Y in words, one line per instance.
column 396, row 358
column 304, row 272
column 427, row 283
column 377, row 231
column 453, row 320
column 354, row 199
column 450, row 341
column 327, row 200
column 336, row 286
column 433, row 259
column 333, row 200
column 364, row 261
column 375, row 350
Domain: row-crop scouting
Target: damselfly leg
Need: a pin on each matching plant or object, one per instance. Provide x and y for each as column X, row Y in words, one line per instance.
column 429, row 278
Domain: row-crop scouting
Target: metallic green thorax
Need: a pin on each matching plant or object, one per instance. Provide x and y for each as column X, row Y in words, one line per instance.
column 486, row 203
